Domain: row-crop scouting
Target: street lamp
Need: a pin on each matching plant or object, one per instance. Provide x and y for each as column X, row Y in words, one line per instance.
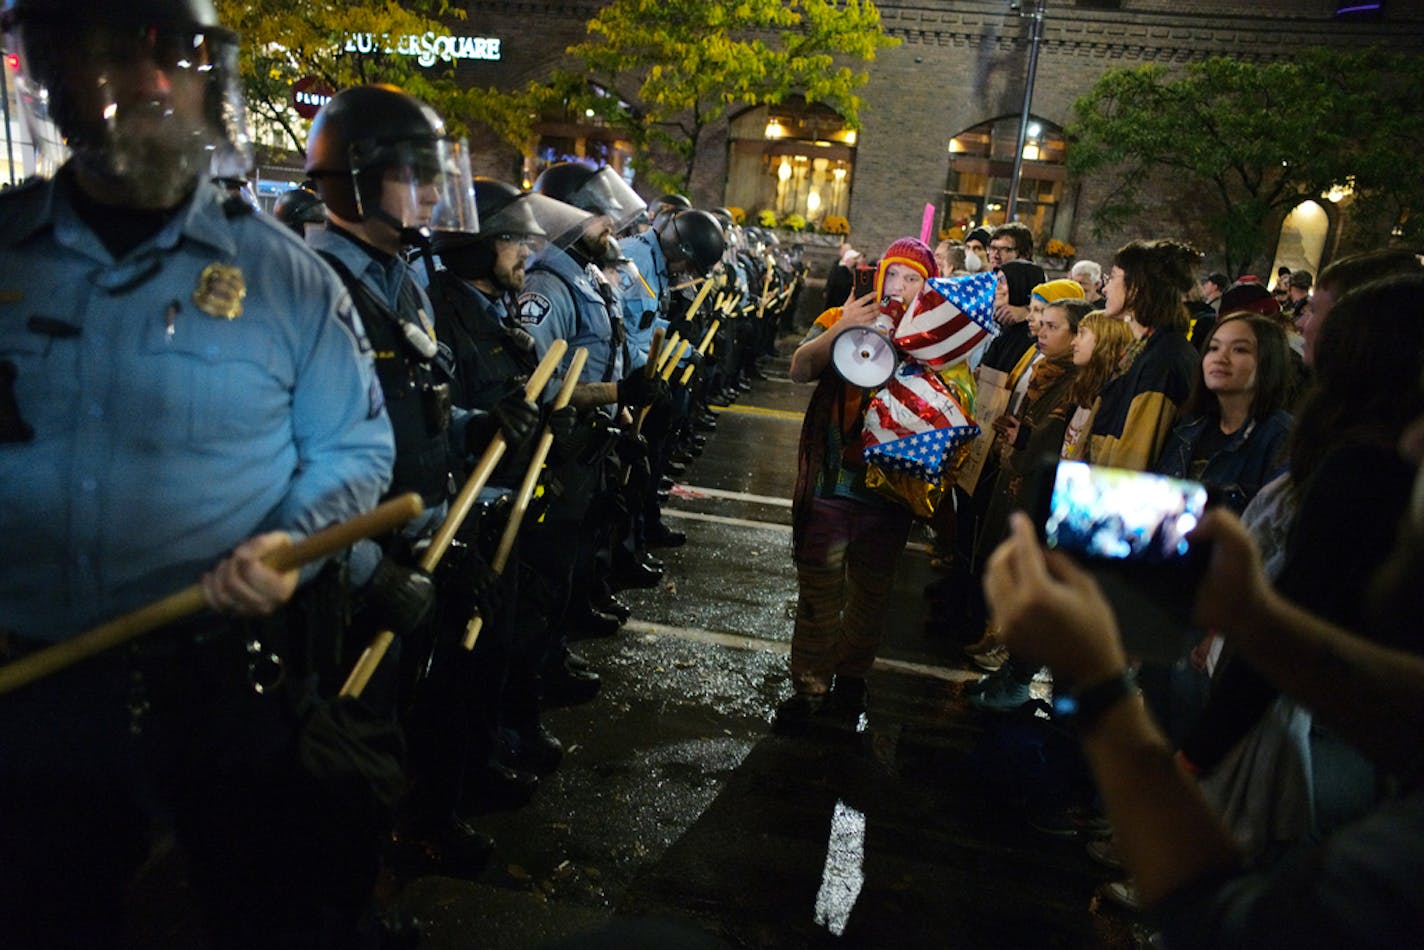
column 1035, row 36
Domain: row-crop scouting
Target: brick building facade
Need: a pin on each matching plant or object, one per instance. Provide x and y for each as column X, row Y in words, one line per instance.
column 961, row 64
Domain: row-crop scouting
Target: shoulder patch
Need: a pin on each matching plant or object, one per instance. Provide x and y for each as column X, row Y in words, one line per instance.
column 532, row 308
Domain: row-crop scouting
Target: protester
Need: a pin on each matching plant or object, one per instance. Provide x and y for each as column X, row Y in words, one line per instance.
column 1138, row 404
column 1097, row 349
column 1025, row 439
column 1342, row 457
column 1234, row 426
column 1011, row 311
column 1089, row 275
column 1359, row 886
column 846, row 538
column 976, row 250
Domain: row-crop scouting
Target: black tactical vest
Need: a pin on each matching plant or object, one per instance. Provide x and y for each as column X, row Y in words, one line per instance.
column 416, row 389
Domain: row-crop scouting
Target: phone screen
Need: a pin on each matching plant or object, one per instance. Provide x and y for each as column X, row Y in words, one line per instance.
column 1122, row 515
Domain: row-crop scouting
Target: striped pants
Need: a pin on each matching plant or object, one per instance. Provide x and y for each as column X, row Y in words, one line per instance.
column 845, row 567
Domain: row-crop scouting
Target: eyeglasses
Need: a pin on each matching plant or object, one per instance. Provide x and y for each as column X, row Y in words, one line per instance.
column 1001, row 247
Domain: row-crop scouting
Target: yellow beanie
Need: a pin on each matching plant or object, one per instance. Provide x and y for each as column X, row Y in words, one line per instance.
column 1056, row 290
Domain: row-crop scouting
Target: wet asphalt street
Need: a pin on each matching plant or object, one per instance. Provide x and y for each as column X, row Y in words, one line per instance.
column 676, row 803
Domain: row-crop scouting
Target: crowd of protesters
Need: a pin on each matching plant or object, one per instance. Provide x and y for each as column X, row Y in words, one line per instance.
column 1242, row 785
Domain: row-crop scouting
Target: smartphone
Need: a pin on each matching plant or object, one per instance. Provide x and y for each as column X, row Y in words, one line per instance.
column 1130, row 529
column 1121, row 515
column 864, row 281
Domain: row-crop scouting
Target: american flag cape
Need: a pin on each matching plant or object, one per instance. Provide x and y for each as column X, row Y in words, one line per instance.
column 913, row 422
column 948, row 320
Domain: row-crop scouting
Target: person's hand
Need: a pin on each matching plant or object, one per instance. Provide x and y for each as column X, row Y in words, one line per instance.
column 1049, row 609
column 1007, row 314
column 563, row 425
column 631, row 448
column 518, row 418
column 400, row 598
column 640, row 389
column 242, row 584
column 860, row 312
column 1234, row 590
column 1006, row 428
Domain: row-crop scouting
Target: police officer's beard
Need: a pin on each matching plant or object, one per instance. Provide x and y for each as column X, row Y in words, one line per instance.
column 509, row 278
column 148, row 160
column 598, row 250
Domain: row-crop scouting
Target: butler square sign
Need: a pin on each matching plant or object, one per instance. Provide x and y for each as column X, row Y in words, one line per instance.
column 427, row 48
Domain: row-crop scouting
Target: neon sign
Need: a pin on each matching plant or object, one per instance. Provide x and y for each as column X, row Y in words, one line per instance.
column 427, row 48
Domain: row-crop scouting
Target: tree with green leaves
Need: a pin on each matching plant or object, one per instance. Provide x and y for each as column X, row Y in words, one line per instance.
column 1249, row 141
column 667, row 69
column 287, row 40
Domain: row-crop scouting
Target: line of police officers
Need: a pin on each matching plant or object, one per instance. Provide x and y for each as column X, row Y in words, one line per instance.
column 184, row 388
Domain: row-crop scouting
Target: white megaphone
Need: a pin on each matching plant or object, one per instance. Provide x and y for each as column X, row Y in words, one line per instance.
column 866, row 356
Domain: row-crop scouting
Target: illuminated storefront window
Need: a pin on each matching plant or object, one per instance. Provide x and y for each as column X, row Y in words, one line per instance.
column 981, row 165
column 790, row 159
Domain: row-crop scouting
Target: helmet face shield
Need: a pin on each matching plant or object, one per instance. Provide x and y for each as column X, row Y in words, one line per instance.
column 562, row 224
column 606, row 190
column 416, row 184
column 455, row 210
column 146, row 108
column 516, row 221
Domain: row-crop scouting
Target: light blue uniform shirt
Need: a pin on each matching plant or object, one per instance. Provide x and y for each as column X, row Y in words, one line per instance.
column 569, row 307
column 162, row 435
column 644, row 289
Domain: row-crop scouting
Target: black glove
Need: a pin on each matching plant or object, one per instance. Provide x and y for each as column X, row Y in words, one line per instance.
column 400, row 598
column 468, row 580
column 518, row 418
column 631, row 448
column 563, row 426
column 563, row 423
column 638, row 389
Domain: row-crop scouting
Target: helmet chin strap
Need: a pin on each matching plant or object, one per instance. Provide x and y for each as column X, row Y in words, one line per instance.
column 419, row 239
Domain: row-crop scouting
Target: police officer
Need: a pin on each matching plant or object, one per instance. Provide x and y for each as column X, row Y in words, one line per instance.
column 682, row 243
column 567, row 296
column 183, row 387
column 472, row 293
column 388, row 175
column 299, row 208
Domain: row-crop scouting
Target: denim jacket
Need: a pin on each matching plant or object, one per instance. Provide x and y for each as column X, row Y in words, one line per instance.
column 1255, row 454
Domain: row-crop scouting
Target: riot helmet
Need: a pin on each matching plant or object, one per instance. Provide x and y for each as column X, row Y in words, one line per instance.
column 379, row 154
column 506, row 212
column 596, row 190
column 510, row 216
column 142, row 93
column 672, row 200
column 299, row 207
column 694, row 237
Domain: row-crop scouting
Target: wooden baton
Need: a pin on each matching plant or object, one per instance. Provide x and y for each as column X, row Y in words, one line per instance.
column 701, row 350
column 375, row 651
column 526, row 490
column 382, row 519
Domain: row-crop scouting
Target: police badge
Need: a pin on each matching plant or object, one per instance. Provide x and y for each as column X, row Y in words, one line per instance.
column 220, row 291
